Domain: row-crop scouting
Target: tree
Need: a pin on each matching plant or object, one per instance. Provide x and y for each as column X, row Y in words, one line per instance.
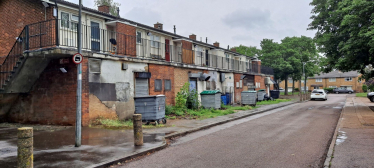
column 345, row 33
column 250, row 51
column 112, row 6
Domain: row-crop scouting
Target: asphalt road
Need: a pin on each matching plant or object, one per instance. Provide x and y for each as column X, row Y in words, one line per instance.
column 294, row 136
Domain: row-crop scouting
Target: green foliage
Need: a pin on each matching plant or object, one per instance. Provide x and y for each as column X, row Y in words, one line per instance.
column 181, row 98
column 345, row 34
column 248, row 51
column 330, row 90
column 296, row 89
column 361, row 94
column 168, row 109
column 276, row 101
column 112, row 6
column 364, row 88
column 193, row 100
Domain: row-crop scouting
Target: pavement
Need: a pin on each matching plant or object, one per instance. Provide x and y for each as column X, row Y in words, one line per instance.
column 54, row 145
column 297, row 135
column 354, row 145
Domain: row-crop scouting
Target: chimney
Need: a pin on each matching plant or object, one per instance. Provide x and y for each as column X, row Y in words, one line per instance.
column 233, row 49
column 175, row 30
column 193, row 36
column 158, row 26
column 216, row 44
column 206, row 40
column 104, row 8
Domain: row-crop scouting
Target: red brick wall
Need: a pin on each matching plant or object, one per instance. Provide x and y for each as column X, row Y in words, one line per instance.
column 14, row 16
column 162, row 72
column 237, row 91
column 52, row 99
column 260, row 79
column 126, row 39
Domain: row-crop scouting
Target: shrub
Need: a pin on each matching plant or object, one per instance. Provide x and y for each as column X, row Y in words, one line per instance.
column 330, row 90
column 297, row 89
column 365, row 88
column 181, row 98
column 168, row 109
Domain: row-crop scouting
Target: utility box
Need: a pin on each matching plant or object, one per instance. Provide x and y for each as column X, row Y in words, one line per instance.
column 249, row 97
column 152, row 108
column 211, row 99
column 261, row 94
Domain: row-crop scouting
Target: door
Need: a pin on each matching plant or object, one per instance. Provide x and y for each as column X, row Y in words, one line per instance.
column 141, row 87
column 167, row 50
column 206, row 58
column 95, row 36
column 193, row 84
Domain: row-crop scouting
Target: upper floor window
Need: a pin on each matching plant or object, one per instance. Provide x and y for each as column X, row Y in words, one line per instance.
column 332, row 79
column 348, row 79
column 227, row 57
column 332, row 87
column 290, row 81
column 65, row 20
column 302, row 81
column 318, row 79
column 139, row 37
column 155, row 41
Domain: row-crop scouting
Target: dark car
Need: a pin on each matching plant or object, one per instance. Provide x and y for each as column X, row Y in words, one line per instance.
column 371, row 96
column 343, row 90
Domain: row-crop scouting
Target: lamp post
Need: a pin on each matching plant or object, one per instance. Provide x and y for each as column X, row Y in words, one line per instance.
column 78, row 123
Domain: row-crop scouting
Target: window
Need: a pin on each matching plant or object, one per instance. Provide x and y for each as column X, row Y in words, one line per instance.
column 167, row 84
column 318, row 80
column 65, row 19
column 332, row 87
column 158, row 85
column 227, row 57
column 258, row 84
column 348, row 79
column 290, row 81
column 302, row 81
column 74, row 22
column 155, row 41
column 139, row 37
column 332, row 79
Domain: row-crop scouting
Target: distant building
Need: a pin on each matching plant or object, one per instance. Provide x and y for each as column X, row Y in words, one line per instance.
column 333, row 79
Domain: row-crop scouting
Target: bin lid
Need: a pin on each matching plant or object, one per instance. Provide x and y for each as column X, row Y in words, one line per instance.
column 210, row 92
column 249, row 91
column 139, row 97
column 261, row 90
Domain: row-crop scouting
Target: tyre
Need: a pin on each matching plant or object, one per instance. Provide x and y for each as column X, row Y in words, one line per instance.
column 372, row 99
column 164, row 121
column 312, row 99
column 349, row 92
column 337, row 92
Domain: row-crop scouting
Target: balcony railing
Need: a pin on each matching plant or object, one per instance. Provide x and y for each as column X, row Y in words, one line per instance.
column 95, row 39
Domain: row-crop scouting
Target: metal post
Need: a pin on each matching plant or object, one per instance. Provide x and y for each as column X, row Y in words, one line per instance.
column 138, row 130
column 78, row 122
column 25, row 147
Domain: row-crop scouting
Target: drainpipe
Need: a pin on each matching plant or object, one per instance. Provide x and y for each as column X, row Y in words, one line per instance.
column 56, row 27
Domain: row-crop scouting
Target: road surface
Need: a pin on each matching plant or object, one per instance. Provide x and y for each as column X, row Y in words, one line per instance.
column 293, row 136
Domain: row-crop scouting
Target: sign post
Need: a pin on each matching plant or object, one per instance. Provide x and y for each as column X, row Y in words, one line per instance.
column 78, row 58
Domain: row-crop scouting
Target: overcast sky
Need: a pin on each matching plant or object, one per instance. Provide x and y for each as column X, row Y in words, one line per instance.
column 230, row 22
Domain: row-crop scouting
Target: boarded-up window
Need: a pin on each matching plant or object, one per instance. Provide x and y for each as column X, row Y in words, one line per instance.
column 167, row 85
column 158, row 85
column 94, row 65
column 141, row 87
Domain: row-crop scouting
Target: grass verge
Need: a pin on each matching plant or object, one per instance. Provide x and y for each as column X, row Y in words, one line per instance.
column 290, row 93
column 118, row 124
column 276, row 101
column 361, row 94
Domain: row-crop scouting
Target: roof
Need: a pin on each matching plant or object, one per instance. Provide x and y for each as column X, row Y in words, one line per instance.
column 337, row 74
column 139, row 24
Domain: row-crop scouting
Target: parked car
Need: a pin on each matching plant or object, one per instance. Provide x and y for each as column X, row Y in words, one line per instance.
column 370, row 96
column 343, row 90
column 318, row 94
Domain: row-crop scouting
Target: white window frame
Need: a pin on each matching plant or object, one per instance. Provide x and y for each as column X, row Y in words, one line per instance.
column 65, row 25
column 70, row 21
column 332, row 79
column 290, row 81
column 154, row 41
column 348, row 79
column 333, row 87
column 318, row 79
column 138, row 32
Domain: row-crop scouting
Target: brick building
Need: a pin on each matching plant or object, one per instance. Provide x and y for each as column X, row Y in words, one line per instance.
column 122, row 59
column 334, row 79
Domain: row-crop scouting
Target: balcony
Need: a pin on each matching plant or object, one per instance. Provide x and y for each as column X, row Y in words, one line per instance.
column 62, row 34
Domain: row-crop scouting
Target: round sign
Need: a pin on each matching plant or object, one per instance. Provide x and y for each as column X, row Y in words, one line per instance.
column 77, row 58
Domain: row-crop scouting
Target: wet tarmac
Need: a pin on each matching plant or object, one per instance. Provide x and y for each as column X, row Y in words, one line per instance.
column 56, row 148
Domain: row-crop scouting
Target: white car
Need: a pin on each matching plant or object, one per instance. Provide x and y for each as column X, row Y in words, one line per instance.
column 318, row 94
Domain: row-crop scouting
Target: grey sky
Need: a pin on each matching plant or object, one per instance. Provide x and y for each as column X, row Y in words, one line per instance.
column 230, row 22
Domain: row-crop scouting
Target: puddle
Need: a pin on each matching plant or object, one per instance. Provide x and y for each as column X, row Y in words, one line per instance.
column 341, row 137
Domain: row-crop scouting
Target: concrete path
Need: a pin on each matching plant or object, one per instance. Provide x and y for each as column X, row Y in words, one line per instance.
column 294, row 136
column 354, row 146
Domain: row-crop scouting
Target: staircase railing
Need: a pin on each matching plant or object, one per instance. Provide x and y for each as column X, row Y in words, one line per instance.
column 13, row 59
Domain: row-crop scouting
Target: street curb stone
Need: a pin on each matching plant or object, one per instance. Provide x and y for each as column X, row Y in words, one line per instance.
column 332, row 144
column 177, row 134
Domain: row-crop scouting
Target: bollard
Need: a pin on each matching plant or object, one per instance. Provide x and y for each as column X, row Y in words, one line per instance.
column 25, row 147
column 138, row 131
